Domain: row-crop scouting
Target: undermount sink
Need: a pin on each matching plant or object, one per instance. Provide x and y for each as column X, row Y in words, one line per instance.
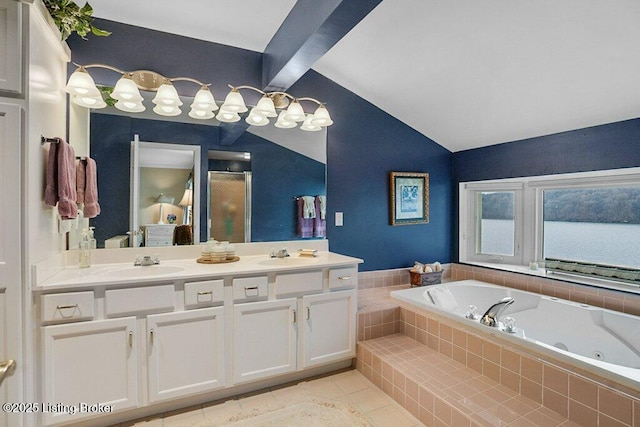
column 288, row 261
column 151, row 270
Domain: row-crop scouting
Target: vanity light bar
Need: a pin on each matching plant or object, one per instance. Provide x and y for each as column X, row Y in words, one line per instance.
column 126, row 92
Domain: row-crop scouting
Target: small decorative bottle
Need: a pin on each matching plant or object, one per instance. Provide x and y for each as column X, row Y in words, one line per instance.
column 84, row 255
column 92, row 240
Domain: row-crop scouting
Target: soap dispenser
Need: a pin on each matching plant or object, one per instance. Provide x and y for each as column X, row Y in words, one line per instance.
column 93, row 243
column 84, row 255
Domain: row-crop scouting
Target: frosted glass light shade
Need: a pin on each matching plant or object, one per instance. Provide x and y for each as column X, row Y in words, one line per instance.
column 204, row 100
column 167, row 95
column 126, row 90
column 227, row 116
column 201, row 114
column 167, row 110
column 256, row 118
column 89, row 102
column 283, row 122
column 265, row 107
column 308, row 126
column 81, row 84
column 295, row 112
column 321, row 117
column 234, row 102
column 130, row 106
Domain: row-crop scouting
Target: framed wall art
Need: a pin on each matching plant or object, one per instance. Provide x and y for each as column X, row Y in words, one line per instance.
column 409, row 198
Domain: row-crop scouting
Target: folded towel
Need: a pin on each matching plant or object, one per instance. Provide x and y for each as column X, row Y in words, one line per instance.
column 51, row 188
column 90, row 196
column 81, row 181
column 319, row 223
column 322, row 202
column 305, row 225
column 443, row 298
column 182, row 235
column 66, row 160
column 309, row 209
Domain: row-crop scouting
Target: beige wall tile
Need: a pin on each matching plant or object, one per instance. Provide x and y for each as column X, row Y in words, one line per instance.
column 615, row 405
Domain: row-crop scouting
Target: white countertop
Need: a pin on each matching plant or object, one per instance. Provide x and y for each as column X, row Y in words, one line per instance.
column 180, row 269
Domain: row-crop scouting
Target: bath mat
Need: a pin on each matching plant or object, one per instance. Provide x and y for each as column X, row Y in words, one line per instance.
column 314, row 412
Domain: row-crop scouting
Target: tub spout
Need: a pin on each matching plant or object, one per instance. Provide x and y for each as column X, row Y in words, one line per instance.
column 490, row 318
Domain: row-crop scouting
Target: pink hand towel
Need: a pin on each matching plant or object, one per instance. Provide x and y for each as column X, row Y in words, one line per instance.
column 67, row 207
column 80, row 181
column 91, row 205
column 51, row 188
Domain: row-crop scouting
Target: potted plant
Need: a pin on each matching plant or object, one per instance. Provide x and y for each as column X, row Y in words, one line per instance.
column 71, row 18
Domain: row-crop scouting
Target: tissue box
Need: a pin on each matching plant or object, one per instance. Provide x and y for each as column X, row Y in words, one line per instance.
column 424, row 279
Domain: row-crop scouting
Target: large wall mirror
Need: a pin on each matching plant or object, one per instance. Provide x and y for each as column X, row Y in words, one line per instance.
column 283, row 165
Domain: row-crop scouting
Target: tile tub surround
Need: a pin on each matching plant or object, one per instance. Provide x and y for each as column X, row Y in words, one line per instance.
column 562, row 391
column 442, row 392
column 610, row 299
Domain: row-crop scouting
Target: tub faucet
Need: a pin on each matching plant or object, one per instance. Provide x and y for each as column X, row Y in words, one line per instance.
column 490, row 318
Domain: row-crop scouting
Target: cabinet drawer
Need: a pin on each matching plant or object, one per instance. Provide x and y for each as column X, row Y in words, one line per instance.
column 152, row 299
column 250, row 288
column 207, row 292
column 69, row 307
column 296, row 283
column 343, row 278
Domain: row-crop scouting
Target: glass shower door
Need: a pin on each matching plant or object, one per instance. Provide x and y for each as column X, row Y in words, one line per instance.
column 230, row 206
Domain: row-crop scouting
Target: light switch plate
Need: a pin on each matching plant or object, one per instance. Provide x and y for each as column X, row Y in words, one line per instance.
column 339, row 219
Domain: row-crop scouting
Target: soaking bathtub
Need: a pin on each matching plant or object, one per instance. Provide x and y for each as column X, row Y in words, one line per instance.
column 604, row 341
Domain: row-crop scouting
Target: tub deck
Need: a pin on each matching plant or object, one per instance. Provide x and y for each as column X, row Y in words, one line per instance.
column 441, row 372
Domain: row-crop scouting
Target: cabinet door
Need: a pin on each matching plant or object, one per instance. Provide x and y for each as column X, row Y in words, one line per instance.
column 89, row 362
column 11, row 46
column 264, row 339
column 186, row 353
column 328, row 327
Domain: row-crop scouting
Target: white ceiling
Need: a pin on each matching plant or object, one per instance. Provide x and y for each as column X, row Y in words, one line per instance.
column 465, row 73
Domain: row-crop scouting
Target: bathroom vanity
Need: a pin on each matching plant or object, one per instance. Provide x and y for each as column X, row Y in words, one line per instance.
column 129, row 339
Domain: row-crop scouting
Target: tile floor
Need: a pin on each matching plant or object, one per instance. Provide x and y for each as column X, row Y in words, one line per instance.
column 347, row 387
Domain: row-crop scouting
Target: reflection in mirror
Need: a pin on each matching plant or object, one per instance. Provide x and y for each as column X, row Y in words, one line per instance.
column 160, row 173
column 285, row 164
column 229, row 198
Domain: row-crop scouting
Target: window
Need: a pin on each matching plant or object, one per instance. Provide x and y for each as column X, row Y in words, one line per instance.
column 590, row 217
column 496, row 226
column 598, row 225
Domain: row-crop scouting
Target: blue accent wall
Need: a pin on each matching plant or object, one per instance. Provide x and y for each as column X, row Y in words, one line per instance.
column 610, row 146
column 365, row 144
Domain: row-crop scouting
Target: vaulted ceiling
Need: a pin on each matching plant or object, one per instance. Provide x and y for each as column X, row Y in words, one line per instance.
column 465, row 73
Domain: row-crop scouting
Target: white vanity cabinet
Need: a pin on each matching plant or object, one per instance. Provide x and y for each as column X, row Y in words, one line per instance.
column 264, row 339
column 89, row 362
column 315, row 327
column 185, row 353
column 328, row 327
column 158, row 344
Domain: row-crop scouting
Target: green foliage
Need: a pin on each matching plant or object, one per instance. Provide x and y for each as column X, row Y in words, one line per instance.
column 71, row 18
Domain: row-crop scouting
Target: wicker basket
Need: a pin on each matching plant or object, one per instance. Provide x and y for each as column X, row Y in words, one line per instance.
column 423, row 279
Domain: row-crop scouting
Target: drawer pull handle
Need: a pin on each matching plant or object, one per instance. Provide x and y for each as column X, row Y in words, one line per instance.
column 344, row 277
column 151, row 335
column 131, row 339
column 295, row 317
column 252, row 288
column 308, row 313
column 205, row 292
column 66, row 307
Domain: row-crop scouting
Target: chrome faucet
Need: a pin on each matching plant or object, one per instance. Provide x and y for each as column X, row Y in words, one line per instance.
column 146, row 261
column 282, row 253
column 490, row 318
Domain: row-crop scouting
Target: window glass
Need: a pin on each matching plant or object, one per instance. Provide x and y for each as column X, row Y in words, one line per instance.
column 495, row 223
column 599, row 225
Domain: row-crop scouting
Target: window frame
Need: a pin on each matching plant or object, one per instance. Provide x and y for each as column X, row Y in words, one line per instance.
column 528, row 213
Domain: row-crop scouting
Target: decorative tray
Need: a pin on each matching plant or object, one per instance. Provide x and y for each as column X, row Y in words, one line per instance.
column 204, row 261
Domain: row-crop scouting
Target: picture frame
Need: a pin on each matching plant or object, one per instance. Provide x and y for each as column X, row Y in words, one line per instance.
column 409, row 198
